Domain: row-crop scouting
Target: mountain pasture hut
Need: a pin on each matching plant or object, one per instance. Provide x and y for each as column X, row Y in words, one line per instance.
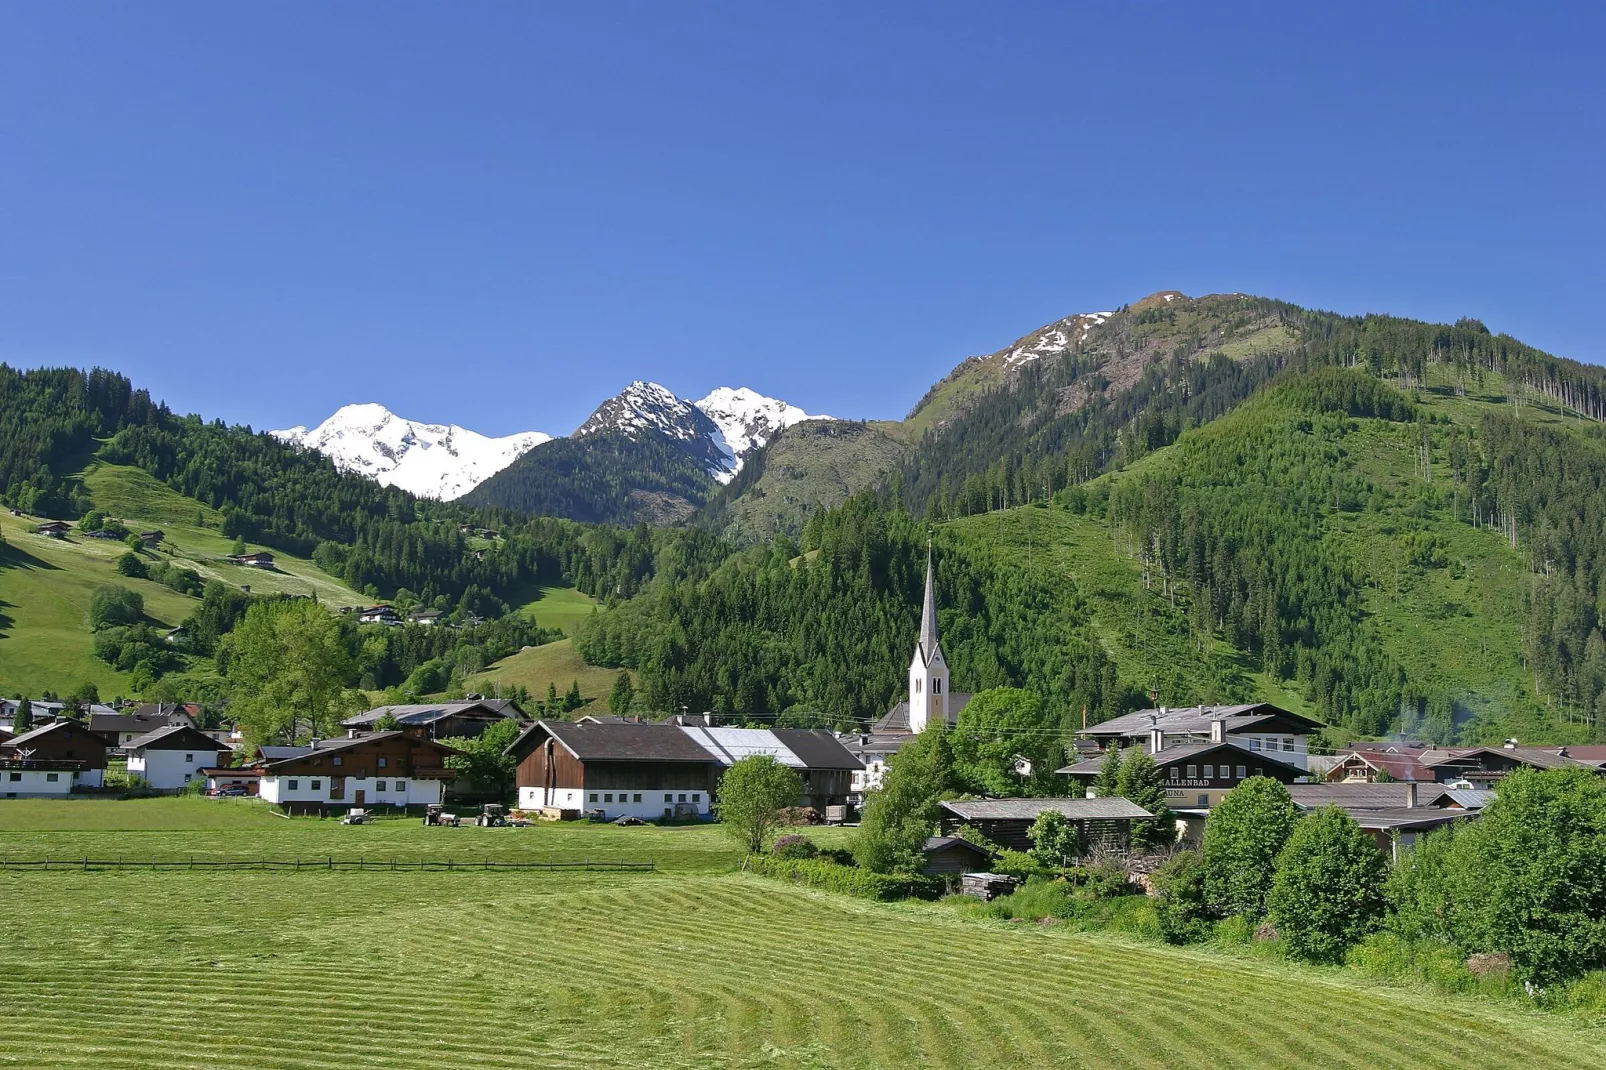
column 1103, row 823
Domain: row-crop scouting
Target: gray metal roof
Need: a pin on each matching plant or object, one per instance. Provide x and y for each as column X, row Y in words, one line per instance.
column 1195, row 719
column 628, row 742
column 1183, row 752
column 1101, row 809
column 1468, row 798
column 176, row 737
column 1413, row 817
column 428, row 712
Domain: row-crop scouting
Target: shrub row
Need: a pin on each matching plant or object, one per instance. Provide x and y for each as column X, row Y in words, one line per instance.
column 849, row 880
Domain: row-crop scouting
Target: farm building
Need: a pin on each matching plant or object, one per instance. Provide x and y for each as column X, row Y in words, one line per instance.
column 79, row 753
column 1005, row 821
column 400, row 768
column 954, row 854
column 153, row 537
column 170, row 757
column 378, row 615
column 55, row 529
column 639, row 770
column 259, row 559
column 442, row 719
column 664, row 770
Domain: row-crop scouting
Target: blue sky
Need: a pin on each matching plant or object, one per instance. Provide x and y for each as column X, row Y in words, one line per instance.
column 499, row 214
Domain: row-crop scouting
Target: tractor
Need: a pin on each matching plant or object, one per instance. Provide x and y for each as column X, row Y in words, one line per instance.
column 435, row 814
column 492, row 815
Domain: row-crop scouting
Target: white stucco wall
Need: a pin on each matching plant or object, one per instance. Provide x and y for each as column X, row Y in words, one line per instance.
column 413, row 791
column 169, row 770
column 653, row 801
column 29, row 783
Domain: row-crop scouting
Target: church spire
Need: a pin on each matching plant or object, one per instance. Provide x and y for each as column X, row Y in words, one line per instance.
column 928, row 614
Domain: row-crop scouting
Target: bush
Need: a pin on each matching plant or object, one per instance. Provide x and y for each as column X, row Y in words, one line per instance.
column 132, row 566
column 1182, row 914
column 1241, row 842
column 111, row 606
column 1328, row 892
column 754, row 795
column 794, row 846
column 848, row 880
column 1017, row 864
column 1055, row 840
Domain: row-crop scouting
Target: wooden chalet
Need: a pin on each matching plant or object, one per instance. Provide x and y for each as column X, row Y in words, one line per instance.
column 67, row 741
column 153, row 537
column 1257, row 726
column 378, row 615
column 615, row 770
column 1198, row 775
column 55, row 529
column 258, row 559
column 1106, row 822
column 402, row 768
column 466, row 719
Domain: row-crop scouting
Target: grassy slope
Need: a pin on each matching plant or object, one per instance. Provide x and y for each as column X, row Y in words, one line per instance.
column 554, row 663
column 558, row 607
column 1454, row 629
column 45, row 584
column 671, row 969
column 814, row 465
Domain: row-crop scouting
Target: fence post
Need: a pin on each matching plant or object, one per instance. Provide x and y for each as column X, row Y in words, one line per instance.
column 331, row 863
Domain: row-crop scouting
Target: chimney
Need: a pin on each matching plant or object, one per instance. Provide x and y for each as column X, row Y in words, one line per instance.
column 1511, row 744
column 315, row 742
column 1218, row 730
column 708, row 718
column 1156, row 740
column 351, row 733
column 1410, row 795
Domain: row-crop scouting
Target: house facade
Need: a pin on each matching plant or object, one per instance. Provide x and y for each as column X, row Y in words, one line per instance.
column 1277, row 733
column 398, row 768
column 65, row 750
column 171, row 757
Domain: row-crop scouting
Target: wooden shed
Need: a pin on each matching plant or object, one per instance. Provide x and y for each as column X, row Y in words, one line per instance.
column 1105, row 822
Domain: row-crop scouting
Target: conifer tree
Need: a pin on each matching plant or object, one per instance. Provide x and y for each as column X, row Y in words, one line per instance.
column 1108, row 782
column 24, row 718
column 1141, row 781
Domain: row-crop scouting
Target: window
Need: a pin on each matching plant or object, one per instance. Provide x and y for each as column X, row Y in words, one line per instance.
column 1204, row 801
column 668, row 812
column 936, row 687
column 1254, row 744
column 15, row 777
column 1288, row 744
column 608, row 797
column 189, row 759
column 295, row 785
column 52, row 777
column 1193, row 772
column 1257, row 770
column 637, row 798
column 382, row 762
column 593, row 796
column 338, row 760
column 1240, row 772
column 683, row 796
column 187, row 777
column 668, row 797
column 918, row 682
column 11, row 795
column 1172, row 772
column 696, row 797
column 400, row 785
column 1210, row 772
column 379, row 785
column 317, row 785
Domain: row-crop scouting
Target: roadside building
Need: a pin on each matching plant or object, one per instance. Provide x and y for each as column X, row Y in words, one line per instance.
column 171, row 757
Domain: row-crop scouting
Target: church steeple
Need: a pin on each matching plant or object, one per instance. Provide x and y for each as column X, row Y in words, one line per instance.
column 928, row 669
column 928, row 614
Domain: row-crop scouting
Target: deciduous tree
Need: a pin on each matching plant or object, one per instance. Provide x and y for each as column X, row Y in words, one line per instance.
column 902, row 813
column 1242, row 839
column 1328, row 890
column 754, row 794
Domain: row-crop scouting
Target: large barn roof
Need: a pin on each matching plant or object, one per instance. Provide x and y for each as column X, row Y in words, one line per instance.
column 1101, row 809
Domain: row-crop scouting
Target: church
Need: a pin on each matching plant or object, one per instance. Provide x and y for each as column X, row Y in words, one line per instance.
column 930, row 699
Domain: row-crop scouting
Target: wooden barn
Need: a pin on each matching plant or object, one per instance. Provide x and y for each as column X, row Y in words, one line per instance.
column 616, row 769
column 1105, row 822
column 951, row 855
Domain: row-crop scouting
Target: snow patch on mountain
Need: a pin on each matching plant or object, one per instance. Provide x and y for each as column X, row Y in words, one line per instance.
column 1054, row 339
column 441, row 461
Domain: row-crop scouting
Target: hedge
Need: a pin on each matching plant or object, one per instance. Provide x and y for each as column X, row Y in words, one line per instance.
column 849, row 880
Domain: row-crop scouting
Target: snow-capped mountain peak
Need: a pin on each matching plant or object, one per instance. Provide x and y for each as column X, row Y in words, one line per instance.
column 732, row 421
column 430, row 460
column 747, row 419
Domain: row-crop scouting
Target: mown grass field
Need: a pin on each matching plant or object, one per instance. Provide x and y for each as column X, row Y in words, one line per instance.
column 668, row 969
column 559, row 607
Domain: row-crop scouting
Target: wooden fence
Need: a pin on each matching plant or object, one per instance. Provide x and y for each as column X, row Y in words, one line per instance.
column 443, row 865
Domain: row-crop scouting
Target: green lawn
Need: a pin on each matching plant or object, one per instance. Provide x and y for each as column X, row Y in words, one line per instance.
column 515, row 970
